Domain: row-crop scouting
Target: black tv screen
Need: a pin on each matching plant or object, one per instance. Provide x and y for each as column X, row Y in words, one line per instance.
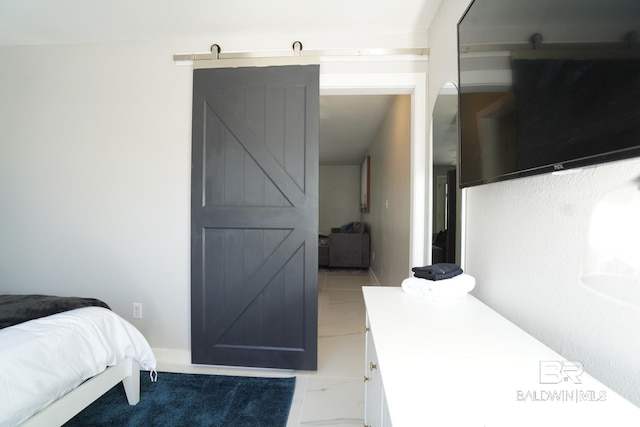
column 547, row 86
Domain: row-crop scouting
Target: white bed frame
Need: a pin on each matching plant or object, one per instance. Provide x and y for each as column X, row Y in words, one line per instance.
column 63, row 409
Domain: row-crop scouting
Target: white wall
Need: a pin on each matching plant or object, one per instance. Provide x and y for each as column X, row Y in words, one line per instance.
column 339, row 196
column 95, row 179
column 391, row 181
column 525, row 244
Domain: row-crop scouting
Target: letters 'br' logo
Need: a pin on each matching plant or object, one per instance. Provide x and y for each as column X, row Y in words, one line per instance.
column 555, row 372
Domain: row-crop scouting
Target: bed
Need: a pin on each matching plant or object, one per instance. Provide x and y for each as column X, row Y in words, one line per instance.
column 54, row 365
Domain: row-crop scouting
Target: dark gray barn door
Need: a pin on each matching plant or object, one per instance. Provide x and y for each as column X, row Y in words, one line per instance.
column 254, row 216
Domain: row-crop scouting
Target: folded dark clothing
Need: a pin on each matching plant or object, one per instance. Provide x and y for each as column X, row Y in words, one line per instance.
column 437, row 271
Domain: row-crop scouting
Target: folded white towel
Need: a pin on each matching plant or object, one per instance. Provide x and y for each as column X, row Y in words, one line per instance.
column 439, row 290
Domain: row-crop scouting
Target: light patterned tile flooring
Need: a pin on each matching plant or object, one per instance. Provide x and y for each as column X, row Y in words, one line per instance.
column 334, row 394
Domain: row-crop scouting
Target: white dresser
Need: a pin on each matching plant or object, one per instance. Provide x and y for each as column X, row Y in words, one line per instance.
column 460, row 363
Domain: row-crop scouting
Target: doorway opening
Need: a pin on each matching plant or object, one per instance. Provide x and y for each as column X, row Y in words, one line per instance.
column 414, row 85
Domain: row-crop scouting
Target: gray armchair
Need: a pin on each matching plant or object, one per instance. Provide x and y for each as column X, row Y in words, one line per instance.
column 349, row 247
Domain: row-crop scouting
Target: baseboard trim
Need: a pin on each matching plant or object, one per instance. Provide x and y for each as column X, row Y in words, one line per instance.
column 176, row 360
column 375, row 278
column 172, row 356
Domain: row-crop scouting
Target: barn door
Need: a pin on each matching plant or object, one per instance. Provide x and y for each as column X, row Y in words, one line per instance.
column 254, row 216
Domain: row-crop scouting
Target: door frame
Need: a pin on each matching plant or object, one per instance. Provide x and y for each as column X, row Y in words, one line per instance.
column 415, row 85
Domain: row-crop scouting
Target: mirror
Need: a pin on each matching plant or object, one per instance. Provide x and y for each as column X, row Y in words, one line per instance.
column 445, row 241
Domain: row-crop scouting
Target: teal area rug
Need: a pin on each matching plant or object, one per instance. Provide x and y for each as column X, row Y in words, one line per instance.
column 194, row 400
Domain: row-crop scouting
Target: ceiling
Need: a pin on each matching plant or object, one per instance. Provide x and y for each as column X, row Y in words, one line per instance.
column 91, row 21
column 347, row 123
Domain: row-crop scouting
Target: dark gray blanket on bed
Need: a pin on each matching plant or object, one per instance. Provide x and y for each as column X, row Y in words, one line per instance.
column 16, row 309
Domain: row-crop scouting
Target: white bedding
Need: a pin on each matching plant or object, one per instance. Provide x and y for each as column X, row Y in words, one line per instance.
column 43, row 359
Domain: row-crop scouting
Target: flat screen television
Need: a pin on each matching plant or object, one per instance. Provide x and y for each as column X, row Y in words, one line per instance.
column 546, row 85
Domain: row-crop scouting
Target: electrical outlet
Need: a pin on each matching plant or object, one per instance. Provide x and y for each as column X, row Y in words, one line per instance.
column 137, row 310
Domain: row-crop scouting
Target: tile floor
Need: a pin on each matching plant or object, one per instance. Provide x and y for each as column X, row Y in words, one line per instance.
column 334, row 394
